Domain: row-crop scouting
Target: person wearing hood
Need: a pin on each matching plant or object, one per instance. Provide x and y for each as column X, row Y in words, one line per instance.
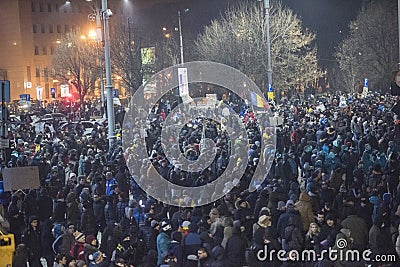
column 204, row 257
column 303, row 206
column 244, row 214
column 191, row 241
column 88, row 221
column 163, row 240
column 264, row 235
column 44, row 205
column 358, row 228
column 32, row 239
column 16, row 219
column 283, row 220
column 236, row 246
column 380, row 235
column 175, row 250
column 219, row 255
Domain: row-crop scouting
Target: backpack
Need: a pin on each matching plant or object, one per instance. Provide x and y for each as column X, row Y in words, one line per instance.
column 57, row 230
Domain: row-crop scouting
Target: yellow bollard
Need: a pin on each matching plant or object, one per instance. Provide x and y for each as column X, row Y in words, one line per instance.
column 7, row 248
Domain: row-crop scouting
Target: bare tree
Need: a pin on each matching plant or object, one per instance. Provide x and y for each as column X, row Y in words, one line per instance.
column 126, row 55
column 370, row 50
column 76, row 60
column 238, row 39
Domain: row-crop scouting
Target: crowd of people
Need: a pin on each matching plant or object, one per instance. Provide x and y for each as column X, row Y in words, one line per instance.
column 335, row 177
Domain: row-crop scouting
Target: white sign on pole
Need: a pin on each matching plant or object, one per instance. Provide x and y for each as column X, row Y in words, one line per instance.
column 183, row 82
column 39, row 92
column 64, row 90
column 29, row 85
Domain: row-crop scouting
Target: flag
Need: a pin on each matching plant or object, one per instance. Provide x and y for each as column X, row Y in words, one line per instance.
column 258, row 101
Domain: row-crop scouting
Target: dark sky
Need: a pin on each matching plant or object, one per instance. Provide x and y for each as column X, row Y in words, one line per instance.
column 324, row 17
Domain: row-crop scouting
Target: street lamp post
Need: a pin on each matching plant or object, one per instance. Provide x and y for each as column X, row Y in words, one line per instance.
column 180, row 35
column 398, row 21
column 99, row 38
column 109, row 87
column 268, row 41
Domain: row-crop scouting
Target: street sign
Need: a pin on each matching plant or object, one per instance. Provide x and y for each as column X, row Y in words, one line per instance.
column 6, row 85
column 183, row 81
column 25, row 97
column 365, row 82
column 52, row 90
column 270, row 88
column 64, row 88
column 398, row 78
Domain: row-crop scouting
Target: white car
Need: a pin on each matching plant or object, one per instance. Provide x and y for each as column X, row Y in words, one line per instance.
column 86, row 127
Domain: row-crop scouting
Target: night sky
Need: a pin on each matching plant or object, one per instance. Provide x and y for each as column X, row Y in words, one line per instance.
column 329, row 19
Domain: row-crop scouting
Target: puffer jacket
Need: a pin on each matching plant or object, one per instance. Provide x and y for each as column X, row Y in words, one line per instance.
column 305, row 209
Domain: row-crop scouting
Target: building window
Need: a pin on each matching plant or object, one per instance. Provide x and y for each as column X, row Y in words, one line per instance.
column 50, row 28
column 42, row 28
column 66, row 28
column 49, row 8
column 46, row 72
column 33, row 6
column 36, row 50
column 44, row 49
column 51, row 50
column 73, row 28
column 57, row 8
column 28, row 73
column 37, row 72
column 58, row 28
column 34, row 28
column 41, row 8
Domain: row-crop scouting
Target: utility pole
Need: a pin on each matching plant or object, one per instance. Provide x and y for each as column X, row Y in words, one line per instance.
column 180, row 35
column 99, row 40
column 109, row 87
column 269, row 65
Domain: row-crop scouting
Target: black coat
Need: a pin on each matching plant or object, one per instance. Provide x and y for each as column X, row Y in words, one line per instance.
column 88, row 222
column 236, row 249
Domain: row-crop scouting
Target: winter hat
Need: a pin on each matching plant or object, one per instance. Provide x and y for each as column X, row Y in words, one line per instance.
column 79, row 237
column 387, row 197
column 165, row 226
column 239, row 202
column 72, row 175
column 80, row 263
column 185, row 224
column 264, row 221
column 264, row 211
column 96, row 256
column 237, row 224
column 33, row 218
column 84, row 196
column 153, row 223
column 90, row 239
column 289, row 203
column 281, row 204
